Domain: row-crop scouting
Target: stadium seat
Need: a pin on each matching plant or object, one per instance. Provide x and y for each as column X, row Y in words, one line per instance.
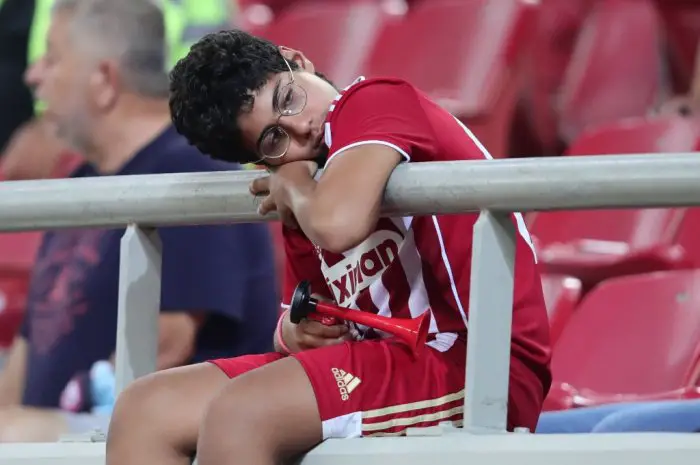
column 688, row 235
column 681, row 20
column 440, row 47
column 13, row 298
column 336, row 36
column 557, row 29
column 561, row 295
column 598, row 244
column 631, row 338
column 616, row 68
column 17, row 252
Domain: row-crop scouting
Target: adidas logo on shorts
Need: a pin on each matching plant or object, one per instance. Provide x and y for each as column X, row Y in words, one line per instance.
column 346, row 382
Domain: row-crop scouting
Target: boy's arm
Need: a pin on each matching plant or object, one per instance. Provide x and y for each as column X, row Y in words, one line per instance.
column 340, row 210
column 375, row 126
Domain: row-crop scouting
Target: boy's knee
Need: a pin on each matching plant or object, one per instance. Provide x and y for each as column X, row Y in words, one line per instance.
column 162, row 411
column 141, row 400
column 238, row 421
column 271, row 410
column 234, row 405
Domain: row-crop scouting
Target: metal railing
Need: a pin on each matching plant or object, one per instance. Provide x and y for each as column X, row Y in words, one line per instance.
column 494, row 187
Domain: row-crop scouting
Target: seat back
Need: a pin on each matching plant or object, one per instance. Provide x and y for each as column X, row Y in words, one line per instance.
column 633, row 228
column 636, row 334
column 336, row 36
column 439, row 47
column 13, row 300
column 616, row 69
column 558, row 26
column 18, row 251
column 682, row 31
column 17, row 255
column 689, row 236
column 561, row 296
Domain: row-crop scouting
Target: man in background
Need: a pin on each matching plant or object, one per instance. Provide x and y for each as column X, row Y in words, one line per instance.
column 31, row 151
column 105, row 90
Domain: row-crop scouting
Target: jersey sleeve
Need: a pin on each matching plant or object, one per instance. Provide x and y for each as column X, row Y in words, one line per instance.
column 384, row 111
column 301, row 264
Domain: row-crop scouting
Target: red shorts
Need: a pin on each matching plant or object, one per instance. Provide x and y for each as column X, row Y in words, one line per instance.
column 377, row 388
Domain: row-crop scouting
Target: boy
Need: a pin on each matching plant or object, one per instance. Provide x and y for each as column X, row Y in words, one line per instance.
column 240, row 98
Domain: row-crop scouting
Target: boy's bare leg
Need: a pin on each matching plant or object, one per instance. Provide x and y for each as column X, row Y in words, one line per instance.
column 156, row 420
column 261, row 418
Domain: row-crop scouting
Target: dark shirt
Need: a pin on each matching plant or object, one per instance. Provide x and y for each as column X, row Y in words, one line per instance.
column 224, row 270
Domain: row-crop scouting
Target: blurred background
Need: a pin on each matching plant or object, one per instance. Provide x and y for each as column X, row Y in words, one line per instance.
column 530, row 78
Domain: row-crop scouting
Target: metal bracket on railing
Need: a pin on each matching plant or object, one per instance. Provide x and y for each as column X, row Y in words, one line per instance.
column 490, row 319
column 139, row 305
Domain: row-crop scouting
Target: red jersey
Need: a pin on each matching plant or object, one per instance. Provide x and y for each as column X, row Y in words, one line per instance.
column 412, row 265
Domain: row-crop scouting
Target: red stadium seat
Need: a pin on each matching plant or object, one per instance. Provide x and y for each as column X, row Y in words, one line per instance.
column 441, row 48
column 616, row 69
column 682, row 33
column 17, row 253
column 13, row 299
column 598, row 244
column 561, row 295
column 557, row 30
column 631, row 338
column 688, row 235
column 335, row 36
column 256, row 13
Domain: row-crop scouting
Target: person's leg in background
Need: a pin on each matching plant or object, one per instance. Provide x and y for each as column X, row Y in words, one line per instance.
column 578, row 420
column 681, row 416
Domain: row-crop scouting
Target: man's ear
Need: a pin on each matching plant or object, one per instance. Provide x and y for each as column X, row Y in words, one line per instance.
column 297, row 57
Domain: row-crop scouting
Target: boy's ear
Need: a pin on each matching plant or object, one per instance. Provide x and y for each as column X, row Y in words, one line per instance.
column 299, row 58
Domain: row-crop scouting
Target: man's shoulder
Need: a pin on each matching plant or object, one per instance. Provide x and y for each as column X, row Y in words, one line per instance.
column 175, row 155
column 184, row 158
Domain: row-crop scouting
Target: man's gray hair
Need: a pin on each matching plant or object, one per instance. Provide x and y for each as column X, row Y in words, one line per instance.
column 130, row 31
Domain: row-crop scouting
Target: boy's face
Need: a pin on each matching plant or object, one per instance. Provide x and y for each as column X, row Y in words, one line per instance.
column 303, row 100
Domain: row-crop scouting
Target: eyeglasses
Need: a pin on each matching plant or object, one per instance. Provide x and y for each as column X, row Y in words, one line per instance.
column 290, row 101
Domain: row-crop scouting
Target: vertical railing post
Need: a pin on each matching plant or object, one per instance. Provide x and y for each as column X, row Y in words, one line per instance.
column 490, row 320
column 139, row 305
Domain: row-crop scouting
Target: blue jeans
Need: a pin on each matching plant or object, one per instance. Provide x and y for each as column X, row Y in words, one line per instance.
column 682, row 416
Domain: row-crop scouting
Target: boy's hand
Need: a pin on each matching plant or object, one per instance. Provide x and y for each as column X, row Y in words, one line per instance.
column 272, row 189
column 310, row 334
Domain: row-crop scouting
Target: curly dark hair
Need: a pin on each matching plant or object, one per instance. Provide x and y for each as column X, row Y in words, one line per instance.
column 214, row 84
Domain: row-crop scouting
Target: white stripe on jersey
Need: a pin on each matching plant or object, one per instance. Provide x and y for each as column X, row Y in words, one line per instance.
column 519, row 220
column 446, row 262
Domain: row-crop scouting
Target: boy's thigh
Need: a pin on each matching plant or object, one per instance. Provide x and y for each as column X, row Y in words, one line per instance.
column 377, row 387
